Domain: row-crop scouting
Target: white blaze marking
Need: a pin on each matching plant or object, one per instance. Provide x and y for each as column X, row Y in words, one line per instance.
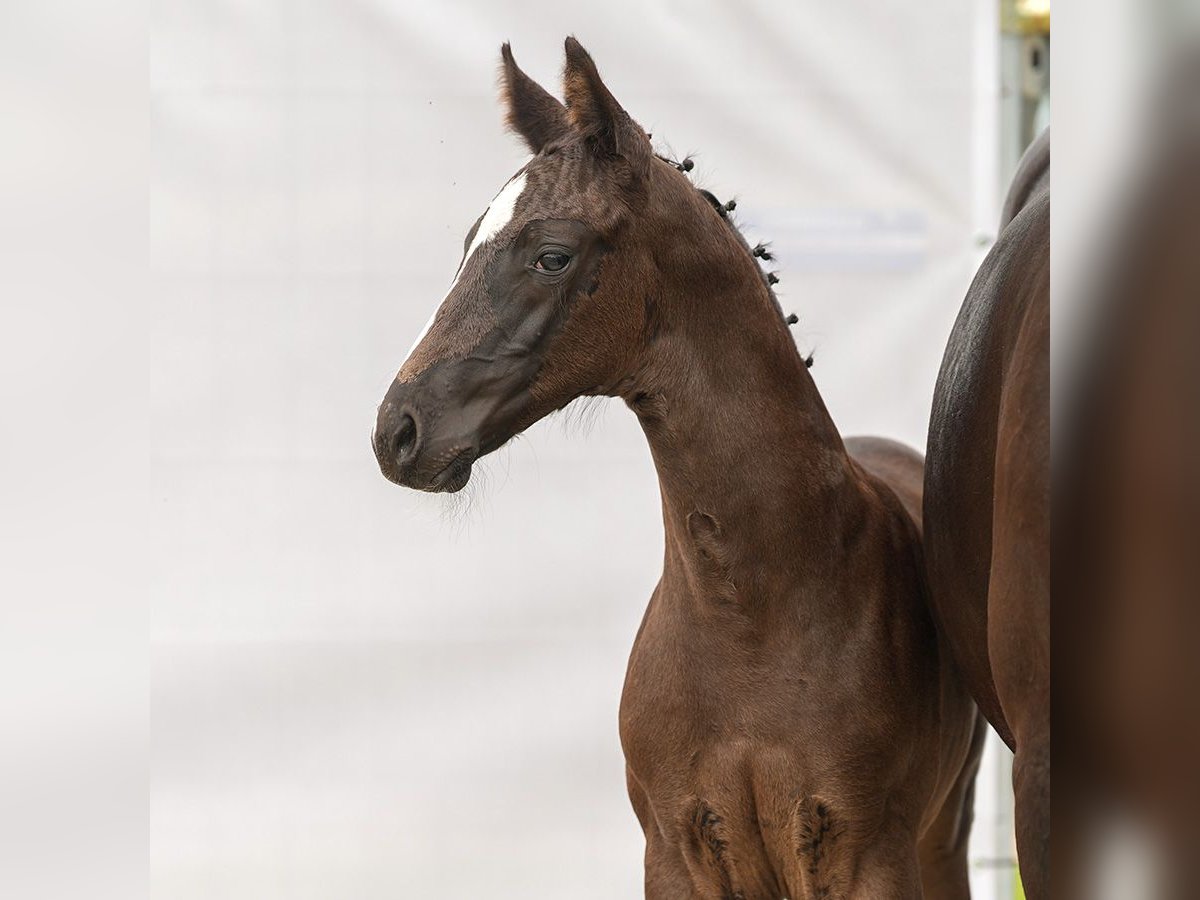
column 498, row 214
column 428, row 324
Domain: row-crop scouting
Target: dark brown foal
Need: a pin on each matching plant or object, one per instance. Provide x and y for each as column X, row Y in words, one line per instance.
column 987, row 504
column 792, row 726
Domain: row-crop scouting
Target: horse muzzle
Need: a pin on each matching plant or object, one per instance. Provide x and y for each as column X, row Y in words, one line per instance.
column 409, row 456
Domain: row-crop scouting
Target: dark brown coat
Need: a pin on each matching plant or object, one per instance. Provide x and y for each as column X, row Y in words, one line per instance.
column 791, row 725
column 987, row 499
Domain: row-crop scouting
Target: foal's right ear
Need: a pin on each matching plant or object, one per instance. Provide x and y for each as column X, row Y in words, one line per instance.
column 533, row 112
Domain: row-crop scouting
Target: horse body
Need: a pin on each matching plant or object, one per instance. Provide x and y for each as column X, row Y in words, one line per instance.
column 782, row 716
column 986, row 504
column 792, row 726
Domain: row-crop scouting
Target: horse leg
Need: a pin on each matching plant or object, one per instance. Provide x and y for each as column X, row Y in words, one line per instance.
column 1031, row 786
column 889, row 868
column 835, row 858
column 667, row 876
column 1019, row 588
column 942, row 849
column 1019, row 646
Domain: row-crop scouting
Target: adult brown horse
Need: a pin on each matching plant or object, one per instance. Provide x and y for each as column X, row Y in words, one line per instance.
column 987, row 503
column 791, row 726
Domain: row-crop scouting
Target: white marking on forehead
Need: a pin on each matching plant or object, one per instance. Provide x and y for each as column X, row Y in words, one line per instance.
column 497, row 215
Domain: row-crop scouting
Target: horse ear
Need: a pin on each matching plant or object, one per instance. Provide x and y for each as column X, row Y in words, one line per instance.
column 595, row 113
column 533, row 112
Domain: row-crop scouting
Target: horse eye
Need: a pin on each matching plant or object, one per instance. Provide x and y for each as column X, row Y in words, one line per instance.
column 552, row 262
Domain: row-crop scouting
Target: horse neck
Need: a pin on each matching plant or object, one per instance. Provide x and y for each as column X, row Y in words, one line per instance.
column 754, row 475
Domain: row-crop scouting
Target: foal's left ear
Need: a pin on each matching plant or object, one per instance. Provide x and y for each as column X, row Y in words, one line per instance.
column 596, row 114
column 533, row 112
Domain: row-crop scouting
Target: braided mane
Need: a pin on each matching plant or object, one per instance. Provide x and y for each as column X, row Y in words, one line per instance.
column 758, row 251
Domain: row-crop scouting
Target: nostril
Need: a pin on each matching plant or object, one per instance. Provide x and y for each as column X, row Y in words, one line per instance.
column 404, row 437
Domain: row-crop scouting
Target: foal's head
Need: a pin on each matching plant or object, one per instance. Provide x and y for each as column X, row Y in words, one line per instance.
column 551, row 299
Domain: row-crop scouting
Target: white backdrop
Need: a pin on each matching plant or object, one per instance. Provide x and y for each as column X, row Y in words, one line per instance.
column 356, row 691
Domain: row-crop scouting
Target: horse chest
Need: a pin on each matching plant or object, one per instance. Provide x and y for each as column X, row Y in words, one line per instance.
column 743, row 762
column 736, row 816
column 697, row 689
column 708, row 742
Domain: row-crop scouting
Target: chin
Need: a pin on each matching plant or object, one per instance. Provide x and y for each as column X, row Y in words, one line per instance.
column 452, row 479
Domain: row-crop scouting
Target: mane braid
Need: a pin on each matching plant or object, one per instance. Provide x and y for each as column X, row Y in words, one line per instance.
column 758, row 251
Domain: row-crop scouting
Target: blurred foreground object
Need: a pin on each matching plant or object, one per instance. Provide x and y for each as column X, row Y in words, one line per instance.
column 1127, row 481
